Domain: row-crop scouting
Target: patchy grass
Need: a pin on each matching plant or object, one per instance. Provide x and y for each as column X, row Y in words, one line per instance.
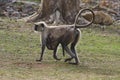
column 98, row 51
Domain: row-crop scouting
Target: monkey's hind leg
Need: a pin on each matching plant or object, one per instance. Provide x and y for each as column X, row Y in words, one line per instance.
column 76, row 56
column 73, row 44
column 72, row 56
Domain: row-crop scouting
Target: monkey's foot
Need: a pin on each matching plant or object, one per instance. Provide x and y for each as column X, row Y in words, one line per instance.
column 68, row 59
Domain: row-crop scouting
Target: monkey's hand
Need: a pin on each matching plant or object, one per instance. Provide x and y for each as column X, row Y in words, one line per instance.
column 39, row 60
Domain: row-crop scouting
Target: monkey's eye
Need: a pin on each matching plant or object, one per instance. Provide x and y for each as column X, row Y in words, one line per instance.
column 42, row 25
column 36, row 27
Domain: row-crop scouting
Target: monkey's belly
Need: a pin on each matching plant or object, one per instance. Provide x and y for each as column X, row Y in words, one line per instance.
column 51, row 43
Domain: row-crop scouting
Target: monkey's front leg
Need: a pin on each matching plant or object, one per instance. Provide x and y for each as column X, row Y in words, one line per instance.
column 42, row 52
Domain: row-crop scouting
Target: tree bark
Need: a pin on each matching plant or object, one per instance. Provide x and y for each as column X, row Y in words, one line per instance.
column 50, row 10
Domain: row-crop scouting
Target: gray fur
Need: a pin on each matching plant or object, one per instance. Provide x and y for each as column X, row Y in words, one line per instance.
column 52, row 36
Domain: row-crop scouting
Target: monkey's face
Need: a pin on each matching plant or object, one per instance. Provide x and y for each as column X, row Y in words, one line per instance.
column 39, row 27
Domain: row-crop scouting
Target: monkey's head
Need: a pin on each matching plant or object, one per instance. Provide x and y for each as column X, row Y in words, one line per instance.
column 40, row 26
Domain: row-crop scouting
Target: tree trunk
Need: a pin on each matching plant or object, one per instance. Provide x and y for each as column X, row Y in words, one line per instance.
column 56, row 11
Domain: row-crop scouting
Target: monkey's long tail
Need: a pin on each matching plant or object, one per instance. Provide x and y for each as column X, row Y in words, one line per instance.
column 79, row 14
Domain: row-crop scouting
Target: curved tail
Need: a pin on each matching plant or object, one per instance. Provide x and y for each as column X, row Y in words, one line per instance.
column 79, row 14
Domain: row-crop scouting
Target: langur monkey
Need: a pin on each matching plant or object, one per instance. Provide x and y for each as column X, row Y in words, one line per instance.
column 52, row 36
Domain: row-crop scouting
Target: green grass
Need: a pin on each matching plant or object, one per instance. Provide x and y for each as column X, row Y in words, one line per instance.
column 98, row 51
